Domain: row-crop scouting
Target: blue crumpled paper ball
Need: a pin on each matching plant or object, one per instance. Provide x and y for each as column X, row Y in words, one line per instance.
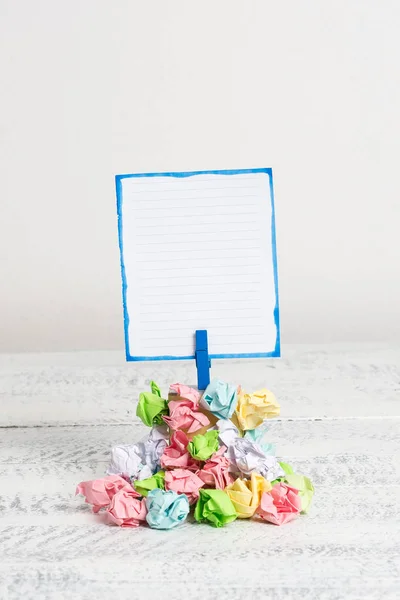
column 220, row 398
column 166, row 510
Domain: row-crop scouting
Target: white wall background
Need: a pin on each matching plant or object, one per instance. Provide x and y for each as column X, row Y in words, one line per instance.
column 90, row 88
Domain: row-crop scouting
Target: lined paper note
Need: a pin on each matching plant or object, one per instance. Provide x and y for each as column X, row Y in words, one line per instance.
column 197, row 252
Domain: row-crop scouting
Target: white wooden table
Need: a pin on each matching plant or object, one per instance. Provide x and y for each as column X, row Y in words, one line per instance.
column 340, row 425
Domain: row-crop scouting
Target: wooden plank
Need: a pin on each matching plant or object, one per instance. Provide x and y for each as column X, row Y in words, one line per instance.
column 98, row 388
column 292, row 438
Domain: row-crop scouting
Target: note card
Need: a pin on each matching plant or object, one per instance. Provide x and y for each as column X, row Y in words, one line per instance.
column 198, row 252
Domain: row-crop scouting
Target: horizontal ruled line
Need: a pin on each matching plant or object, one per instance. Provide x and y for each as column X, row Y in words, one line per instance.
column 200, row 257
column 192, row 232
column 190, row 310
column 200, row 276
column 149, row 179
column 210, row 301
column 203, row 223
column 163, row 189
column 185, row 337
column 169, row 237
column 180, row 348
column 201, row 265
column 238, row 212
column 203, row 258
column 245, row 311
column 157, row 346
column 209, row 261
column 251, row 318
column 227, row 254
column 227, row 205
column 215, row 329
column 189, row 242
column 194, row 285
column 214, row 269
column 221, row 297
column 207, row 248
column 206, row 293
column 163, row 186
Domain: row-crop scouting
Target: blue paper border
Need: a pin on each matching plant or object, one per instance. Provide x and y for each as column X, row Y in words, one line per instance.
column 118, row 187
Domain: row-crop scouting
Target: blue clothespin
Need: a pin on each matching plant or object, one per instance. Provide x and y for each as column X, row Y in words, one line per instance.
column 203, row 362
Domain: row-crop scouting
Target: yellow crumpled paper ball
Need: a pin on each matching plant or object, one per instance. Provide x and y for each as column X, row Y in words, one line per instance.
column 253, row 409
column 246, row 494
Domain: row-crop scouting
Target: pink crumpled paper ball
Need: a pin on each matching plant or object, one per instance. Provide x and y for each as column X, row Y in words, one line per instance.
column 126, row 510
column 183, row 481
column 215, row 472
column 99, row 492
column 183, row 414
column 176, row 455
column 184, row 391
column 280, row 505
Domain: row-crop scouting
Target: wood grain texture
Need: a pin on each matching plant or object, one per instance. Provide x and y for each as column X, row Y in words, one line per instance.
column 340, row 424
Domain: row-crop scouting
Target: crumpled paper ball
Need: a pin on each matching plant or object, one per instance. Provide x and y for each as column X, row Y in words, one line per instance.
column 126, row 510
column 183, row 481
column 151, row 406
column 140, row 460
column 151, row 447
column 184, row 415
column 215, row 507
column 281, row 505
column 246, row 495
column 126, row 461
column 144, row 486
column 252, row 409
column 228, row 433
column 246, row 456
column 201, row 447
column 166, row 510
column 220, row 398
column 176, row 455
column 99, row 492
column 189, row 393
column 215, row 472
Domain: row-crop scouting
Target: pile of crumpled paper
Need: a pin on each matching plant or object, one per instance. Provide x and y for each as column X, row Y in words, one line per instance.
column 207, row 452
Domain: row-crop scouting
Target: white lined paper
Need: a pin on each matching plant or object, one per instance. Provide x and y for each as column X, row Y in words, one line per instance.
column 198, row 254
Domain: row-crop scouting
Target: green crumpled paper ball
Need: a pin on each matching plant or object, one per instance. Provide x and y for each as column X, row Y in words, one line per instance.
column 215, row 507
column 151, row 406
column 143, row 486
column 204, row 446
